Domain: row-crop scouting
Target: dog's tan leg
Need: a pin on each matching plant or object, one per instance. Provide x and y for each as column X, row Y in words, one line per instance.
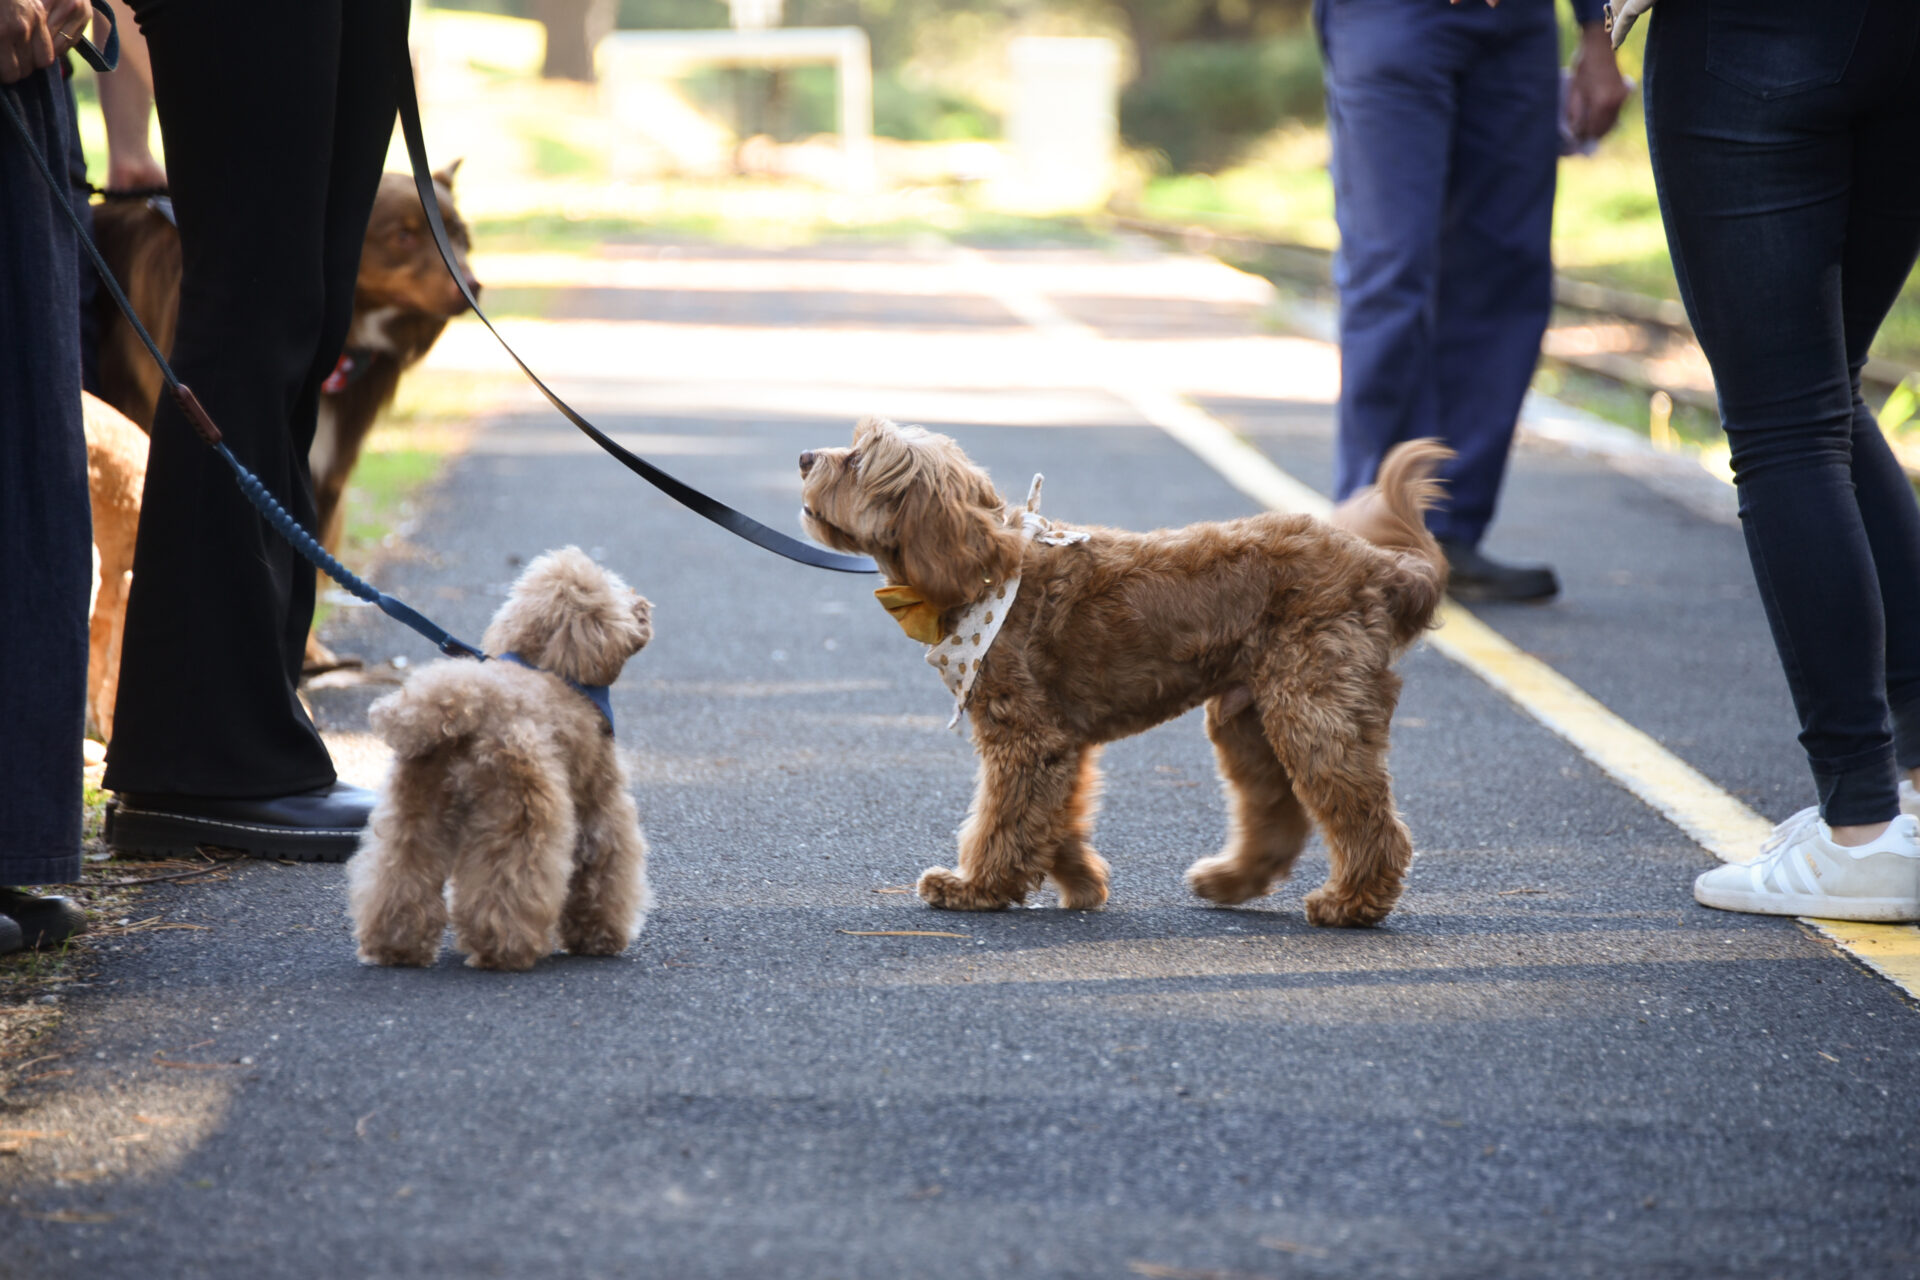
column 1012, row 831
column 1269, row 826
column 394, row 881
column 510, row 880
column 1077, row 870
column 1339, row 769
column 608, row 899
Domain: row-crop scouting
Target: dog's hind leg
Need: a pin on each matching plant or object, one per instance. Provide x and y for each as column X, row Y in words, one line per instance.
column 1339, row 768
column 1012, row 829
column 608, row 898
column 1269, row 826
column 1078, row 871
column 510, row 880
column 394, row 881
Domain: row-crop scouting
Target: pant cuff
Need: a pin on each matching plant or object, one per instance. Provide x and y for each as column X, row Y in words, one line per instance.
column 1906, row 735
column 52, row 868
column 1860, row 793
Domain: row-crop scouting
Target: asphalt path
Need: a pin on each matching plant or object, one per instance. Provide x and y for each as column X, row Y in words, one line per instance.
column 1548, row 1060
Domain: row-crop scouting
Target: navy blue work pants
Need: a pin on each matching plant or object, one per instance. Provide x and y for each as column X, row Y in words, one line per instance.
column 276, row 120
column 46, row 529
column 1786, row 145
column 1443, row 120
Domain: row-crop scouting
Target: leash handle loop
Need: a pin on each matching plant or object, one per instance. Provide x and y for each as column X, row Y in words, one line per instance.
column 735, row 522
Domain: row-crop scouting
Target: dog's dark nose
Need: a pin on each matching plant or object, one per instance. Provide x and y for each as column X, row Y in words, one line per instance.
column 807, row 460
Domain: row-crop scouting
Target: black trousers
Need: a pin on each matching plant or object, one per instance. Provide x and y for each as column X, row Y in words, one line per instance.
column 276, row 120
column 46, row 530
column 1784, row 138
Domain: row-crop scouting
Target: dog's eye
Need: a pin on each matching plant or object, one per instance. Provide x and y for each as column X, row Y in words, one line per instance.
column 406, row 238
column 853, row 460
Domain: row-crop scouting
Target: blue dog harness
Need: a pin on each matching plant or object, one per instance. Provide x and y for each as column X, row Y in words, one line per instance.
column 597, row 694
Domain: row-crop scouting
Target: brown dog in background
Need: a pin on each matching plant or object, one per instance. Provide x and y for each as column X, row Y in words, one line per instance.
column 1284, row 626
column 116, row 473
column 403, row 298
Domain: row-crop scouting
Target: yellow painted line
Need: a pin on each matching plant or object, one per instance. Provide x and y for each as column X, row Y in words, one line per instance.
column 1687, row 798
column 1715, row 820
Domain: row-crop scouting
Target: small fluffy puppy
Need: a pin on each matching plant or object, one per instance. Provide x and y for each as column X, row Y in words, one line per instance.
column 506, row 785
column 1055, row 641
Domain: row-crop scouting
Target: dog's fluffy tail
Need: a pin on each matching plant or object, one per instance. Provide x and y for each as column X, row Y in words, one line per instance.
column 1390, row 513
column 436, row 708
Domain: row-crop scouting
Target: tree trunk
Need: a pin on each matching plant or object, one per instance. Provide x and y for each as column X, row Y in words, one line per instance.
column 574, row 27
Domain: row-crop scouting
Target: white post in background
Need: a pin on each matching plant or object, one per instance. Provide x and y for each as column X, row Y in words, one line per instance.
column 630, row 63
column 755, row 15
column 1064, row 125
column 856, row 110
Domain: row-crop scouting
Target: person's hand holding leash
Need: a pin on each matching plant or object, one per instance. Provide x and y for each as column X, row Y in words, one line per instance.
column 1621, row 17
column 26, row 41
column 67, row 20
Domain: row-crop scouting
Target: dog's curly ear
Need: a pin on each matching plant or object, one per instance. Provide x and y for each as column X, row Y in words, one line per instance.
column 953, row 541
column 643, row 622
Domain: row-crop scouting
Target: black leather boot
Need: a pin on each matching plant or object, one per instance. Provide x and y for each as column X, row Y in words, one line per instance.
column 1475, row 578
column 37, row 922
column 322, row 825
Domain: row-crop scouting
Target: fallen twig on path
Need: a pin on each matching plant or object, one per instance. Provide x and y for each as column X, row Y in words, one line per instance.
column 218, row 871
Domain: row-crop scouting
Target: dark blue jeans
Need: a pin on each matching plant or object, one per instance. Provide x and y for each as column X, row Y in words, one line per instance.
column 46, row 531
column 1786, row 145
column 1442, row 119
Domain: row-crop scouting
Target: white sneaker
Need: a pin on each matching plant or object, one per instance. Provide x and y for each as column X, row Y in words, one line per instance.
column 1802, row 872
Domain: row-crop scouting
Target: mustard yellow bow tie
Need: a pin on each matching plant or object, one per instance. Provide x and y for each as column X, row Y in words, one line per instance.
column 910, row 609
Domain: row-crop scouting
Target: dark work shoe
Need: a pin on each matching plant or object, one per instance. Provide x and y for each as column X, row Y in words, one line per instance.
column 1475, row 578
column 322, row 825
column 43, row 922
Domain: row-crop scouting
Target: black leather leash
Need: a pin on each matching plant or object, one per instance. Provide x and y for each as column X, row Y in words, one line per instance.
column 686, row 495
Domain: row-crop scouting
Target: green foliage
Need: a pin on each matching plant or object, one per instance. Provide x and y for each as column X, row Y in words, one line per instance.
column 1902, row 405
column 555, row 158
column 671, row 15
column 1205, row 103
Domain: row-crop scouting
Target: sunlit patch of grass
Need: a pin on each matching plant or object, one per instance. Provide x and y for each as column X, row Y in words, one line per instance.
column 556, row 158
column 1693, row 428
column 426, row 425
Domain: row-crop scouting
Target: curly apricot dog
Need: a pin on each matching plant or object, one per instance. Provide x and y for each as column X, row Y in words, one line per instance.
column 506, row 783
column 1285, row 626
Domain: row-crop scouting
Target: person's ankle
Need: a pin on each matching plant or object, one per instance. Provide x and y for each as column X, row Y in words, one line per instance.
column 1855, row 836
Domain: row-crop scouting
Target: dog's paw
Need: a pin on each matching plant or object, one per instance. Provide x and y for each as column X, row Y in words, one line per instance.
column 1084, row 886
column 1223, row 880
column 941, row 888
column 1331, row 910
column 504, row 962
column 410, row 957
column 594, row 942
